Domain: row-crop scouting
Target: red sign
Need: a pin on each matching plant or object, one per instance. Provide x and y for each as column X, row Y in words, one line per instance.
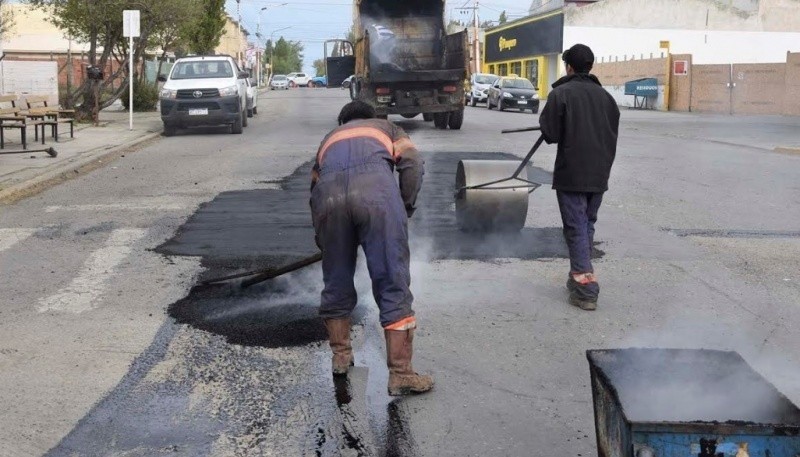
column 680, row 67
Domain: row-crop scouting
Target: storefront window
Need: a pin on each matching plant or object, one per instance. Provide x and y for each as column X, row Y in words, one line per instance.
column 532, row 72
column 502, row 69
column 516, row 68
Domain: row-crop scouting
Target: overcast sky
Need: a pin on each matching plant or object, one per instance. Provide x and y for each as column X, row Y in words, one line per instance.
column 314, row 21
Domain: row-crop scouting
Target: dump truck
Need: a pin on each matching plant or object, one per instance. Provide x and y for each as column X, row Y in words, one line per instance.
column 403, row 61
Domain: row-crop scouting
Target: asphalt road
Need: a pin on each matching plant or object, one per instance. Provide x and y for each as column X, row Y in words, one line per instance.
column 109, row 345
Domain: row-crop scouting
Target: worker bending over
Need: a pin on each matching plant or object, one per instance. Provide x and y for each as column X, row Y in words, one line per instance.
column 355, row 200
column 583, row 118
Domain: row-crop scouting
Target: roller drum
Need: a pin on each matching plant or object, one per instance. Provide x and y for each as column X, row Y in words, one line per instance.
column 490, row 208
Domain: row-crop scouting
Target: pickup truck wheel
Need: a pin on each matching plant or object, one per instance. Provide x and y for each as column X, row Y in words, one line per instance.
column 455, row 119
column 440, row 120
column 237, row 127
column 427, row 117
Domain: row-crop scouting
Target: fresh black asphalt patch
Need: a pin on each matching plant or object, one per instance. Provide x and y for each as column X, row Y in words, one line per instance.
column 152, row 413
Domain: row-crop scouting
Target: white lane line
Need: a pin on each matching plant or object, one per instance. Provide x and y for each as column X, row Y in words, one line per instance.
column 10, row 237
column 82, row 294
column 118, row 207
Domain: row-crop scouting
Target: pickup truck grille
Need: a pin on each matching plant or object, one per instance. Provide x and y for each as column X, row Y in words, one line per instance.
column 188, row 106
column 189, row 93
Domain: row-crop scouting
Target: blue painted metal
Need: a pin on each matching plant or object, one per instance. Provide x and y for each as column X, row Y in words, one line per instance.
column 688, row 444
column 666, row 402
column 645, row 87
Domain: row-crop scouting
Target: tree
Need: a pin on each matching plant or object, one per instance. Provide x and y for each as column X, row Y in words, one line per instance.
column 454, row 26
column 6, row 18
column 173, row 21
column 98, row 23
column 319, row 67
column 503, row 17
column 203, row 33
column 287, row 56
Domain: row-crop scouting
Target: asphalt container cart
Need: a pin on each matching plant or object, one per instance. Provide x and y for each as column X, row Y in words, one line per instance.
column 688, row 403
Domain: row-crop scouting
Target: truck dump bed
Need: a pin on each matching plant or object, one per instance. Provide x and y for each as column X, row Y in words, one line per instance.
column 405, row 41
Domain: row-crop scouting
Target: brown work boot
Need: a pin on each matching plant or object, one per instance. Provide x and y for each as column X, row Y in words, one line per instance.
column 402, row 378
column 339, row 335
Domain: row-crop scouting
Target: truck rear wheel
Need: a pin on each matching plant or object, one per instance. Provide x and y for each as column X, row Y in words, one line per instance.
column 427, row 117
column 440, row 120
column 455, row 119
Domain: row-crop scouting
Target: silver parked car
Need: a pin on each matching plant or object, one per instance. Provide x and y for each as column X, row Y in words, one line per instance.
column 279, row 82
column 252, row 97
column 479, row 88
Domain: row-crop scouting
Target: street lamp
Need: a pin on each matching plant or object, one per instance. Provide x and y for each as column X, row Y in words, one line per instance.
column 258, row 34
column 272, row 46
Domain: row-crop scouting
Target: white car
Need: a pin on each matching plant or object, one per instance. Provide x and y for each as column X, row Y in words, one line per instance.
column 204, row 91
column 252, row 97
column 298, row 79
column 479, row 88
column 279, row 82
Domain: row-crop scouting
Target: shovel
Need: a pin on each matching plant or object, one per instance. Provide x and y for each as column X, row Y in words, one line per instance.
column 259, row 276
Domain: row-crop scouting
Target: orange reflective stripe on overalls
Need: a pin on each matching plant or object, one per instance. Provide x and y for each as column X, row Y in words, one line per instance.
column 401, row 146
column 403, row 324
column 353, row 133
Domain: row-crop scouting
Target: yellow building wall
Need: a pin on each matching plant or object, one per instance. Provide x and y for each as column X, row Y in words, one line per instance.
column 542, row 80
column 232, row 42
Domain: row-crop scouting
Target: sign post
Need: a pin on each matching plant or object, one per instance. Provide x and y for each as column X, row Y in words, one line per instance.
column 131, row 29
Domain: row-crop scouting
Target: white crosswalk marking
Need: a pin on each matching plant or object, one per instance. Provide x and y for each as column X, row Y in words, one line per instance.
column 82, row 294
column 118, row 207
column 10, row 237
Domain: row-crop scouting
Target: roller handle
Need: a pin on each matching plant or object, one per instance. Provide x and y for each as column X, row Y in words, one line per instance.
column 526, row 129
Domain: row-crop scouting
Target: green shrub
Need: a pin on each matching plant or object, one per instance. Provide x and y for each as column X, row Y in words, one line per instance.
column 145, row 97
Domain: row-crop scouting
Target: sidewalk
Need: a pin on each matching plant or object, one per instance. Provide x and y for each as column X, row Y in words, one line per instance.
column 25, row 174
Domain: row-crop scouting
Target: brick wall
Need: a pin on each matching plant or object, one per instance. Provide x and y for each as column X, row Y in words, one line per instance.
column 791, row 98
column 772, row 88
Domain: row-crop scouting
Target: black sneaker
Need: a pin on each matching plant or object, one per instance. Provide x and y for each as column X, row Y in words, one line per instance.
column 583, row 294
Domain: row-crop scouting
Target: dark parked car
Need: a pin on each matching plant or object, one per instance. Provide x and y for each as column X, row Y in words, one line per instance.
column 513, row 93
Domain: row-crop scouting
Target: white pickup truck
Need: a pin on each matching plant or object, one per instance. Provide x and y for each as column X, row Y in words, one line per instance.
column 204, row 91
column 298, row 79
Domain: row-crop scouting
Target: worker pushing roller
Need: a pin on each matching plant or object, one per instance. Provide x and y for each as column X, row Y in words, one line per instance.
column 583, row 118
column 355, row 200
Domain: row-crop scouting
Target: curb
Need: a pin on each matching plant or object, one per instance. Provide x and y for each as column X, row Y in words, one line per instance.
column 788, row 150
column 85, row 163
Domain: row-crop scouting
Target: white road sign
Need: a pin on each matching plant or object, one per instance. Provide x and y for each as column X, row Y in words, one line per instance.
column 130, row 23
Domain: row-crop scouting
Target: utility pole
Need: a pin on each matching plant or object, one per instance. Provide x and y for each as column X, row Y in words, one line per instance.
column 239, row 25
column 476, row 40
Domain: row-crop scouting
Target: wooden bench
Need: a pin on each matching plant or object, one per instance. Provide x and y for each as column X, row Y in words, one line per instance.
column 11, row 118
column 38, row 109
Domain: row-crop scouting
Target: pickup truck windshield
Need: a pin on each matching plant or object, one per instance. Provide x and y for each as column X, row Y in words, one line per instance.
column 202, row 69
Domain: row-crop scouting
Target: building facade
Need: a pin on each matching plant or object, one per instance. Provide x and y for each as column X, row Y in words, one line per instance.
column 712, row 31
column 529, row 48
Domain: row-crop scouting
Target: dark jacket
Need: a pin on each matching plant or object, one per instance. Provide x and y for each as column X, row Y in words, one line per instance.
column 583, row 118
